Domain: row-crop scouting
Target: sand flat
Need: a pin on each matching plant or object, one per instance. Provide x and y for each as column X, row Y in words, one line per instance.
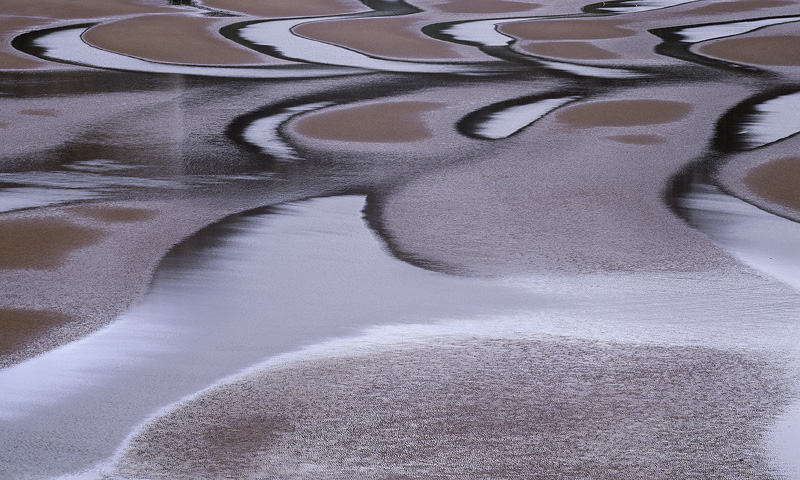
column 777, row 181
column 79, row 9
column 483, row 6
column 117, row 213
column 280, row 8
column 395, row 37
column 623, row 113
column 777, row 50
column 10, row 58
column 185, row 39
column 720, row 8
column 566, row 29
column 372, row 123
column 568, row 50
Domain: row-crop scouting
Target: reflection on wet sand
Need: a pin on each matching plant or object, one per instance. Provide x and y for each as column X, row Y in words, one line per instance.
column 631, row 317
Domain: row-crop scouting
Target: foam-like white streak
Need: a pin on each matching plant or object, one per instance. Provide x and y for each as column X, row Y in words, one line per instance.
column 644, row 6
column 589, row 71
column 19, row 198
column 278, row 34
column 774, row 120
column 263, row 132
column 482, row 32
column 68, row 46
column 504, row 123
column 710, row 32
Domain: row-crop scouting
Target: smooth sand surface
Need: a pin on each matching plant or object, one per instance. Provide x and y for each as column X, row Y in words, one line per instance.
column 739, row 7
column 172, row 38
column 482, row 6
column 568, row 50
column 372, row 123
column 777, row 181
column 623, row 113
column 41, row 244
column 565, row 29
column 281, row 8
column 398, row 37
column 777, row 50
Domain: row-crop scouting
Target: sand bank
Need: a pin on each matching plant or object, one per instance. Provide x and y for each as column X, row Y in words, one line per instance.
column 721, row 8
column 83, row 265
column 777, row 50
column 184, row 39
column 566, row 29
column 777, row 181
column 479, row 407
column 280, row 8
column 568, row 50
column 394, row 37
column 623, row 113
column 483, row 6
column 373, row 123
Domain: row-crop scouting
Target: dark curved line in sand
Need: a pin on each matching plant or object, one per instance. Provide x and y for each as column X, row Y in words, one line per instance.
column 373, row 217
column 605, row 7
column 468, row 124
column 729, row 138
column 508, row 54
column 673, row 45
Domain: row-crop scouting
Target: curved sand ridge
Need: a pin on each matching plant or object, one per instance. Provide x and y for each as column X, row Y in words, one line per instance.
column 393, row 37
column 187, row 39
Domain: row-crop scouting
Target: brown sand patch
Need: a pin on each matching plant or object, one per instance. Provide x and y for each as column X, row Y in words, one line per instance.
column 18, row 62
column 623, row 113
column 387, row 37
column 171, row 38
column 282, row 8
column 565, row 30
column 19, row 326
column 117, row 214
column 638, row 139
column 483, row 6
column 777, row 181
column 41, row 243
column 778, row 50
column 738, row 7
column 61, row 9
column 376, row 122
column 9, row 57
column 40, row 112
column 570, row 50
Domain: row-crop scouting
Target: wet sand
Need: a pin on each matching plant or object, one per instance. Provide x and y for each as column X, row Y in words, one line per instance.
column 32, row 243
column 372, row 123
column 21, row 327
column 739, row 6
column 778, row 50
column 624, row 113
column 481, row 6
column 777, row 182
column 568, row 50
column 172, row 38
